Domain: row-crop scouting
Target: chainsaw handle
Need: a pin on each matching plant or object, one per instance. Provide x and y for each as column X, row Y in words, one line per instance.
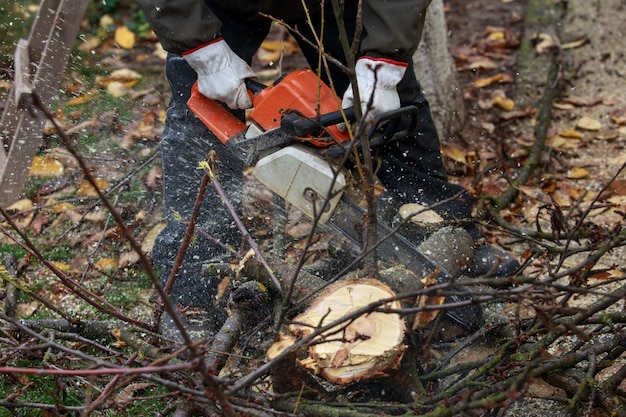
column 381, row 133
column 295, row 125
column 389, row 131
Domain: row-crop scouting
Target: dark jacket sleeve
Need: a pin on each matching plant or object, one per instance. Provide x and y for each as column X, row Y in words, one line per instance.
column 181, row 25
column 394, row 27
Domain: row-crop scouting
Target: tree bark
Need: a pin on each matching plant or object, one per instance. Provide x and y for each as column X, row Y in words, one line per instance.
column 437, row 73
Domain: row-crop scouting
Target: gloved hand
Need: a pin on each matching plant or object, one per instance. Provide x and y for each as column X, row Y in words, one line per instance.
column 377, row 78
column 221, row 74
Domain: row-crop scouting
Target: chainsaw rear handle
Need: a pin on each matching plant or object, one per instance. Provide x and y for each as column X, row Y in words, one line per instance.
column 393, row 129
column 387, row 127
column 295, row 125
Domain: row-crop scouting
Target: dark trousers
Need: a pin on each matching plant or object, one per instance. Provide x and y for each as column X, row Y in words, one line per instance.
column 411, row 169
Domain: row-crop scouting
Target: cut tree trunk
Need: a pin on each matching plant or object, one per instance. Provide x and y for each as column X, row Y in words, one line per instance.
column 359, row 346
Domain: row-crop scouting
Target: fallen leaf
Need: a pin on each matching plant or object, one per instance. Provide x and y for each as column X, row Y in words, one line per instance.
column 87, row 190
column 27, row 309
column 159, row 51
column 577, row 173
column 106, row 21
column 61, row 207
column 454, row 153
column 504, row 103
column 89, row 43
column 618, row 116
column 127, row 259
column 20, row 205
column 117, row 89
column 106, row 264
column 573, row 134
column 587, row 123
column 124, row 76
column 562, row 106
column 607, row 136
column 81, row 99
column 482, row 64
column 517, row 114
column 487, row 81
column 46, row 167
column 544, row 42
column 583, row 101
column 148, row 241
column 488, row 126
column 419, row 214
column 576, row 43
column 124, row 37
column 63, row 267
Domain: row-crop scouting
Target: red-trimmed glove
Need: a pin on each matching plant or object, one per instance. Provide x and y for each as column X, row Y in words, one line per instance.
column 377, row 79
column 221, row 73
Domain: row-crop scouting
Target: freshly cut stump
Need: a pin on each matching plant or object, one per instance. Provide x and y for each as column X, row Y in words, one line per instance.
column 367, row 346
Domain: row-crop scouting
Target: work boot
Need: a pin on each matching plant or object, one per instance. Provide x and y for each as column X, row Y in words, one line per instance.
column 184, row 144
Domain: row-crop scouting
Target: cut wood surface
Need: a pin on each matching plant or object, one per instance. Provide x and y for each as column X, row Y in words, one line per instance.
column 370, row 345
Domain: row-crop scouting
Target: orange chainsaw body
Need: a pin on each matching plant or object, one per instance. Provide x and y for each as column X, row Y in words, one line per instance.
column 300, row 91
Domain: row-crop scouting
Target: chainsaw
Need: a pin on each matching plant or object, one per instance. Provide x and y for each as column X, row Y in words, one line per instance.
column 294, row 141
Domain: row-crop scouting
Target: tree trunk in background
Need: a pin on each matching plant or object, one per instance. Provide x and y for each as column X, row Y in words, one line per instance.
column 436, row 72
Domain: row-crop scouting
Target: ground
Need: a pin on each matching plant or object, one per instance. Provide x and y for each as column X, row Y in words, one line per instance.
column 117, row 122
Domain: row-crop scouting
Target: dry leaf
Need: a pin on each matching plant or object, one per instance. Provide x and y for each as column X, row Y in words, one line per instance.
column 46, row 167
column 124, row 76
column 572, row 134
column 504, row 103
column 89, row 43
column 587, row 123
column 148, row 241
column 424, row 215
column 481, row 64
column 577, row 173
column 517, row 114
column 544, row 42
column 128, row 258
column 27, row 309
column 124, row 37
column 487, row 81
column 577, row 43
column 86, row 189
column 618, row 116
column 63, row 267
column 59, row 207
column 583, row 101
column 159, row 51
column 454, row 153
column 562, row 106
column 20, row 205
column 81, row 99
column 117, row 89
column 106, row 21
column 106, row 264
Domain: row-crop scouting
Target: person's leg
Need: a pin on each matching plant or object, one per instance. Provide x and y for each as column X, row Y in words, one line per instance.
column 185, row 142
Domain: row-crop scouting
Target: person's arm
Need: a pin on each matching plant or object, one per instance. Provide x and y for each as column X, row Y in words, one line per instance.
column 394, row 28
column 181, row 25
column 189, row 28
column 393, row 31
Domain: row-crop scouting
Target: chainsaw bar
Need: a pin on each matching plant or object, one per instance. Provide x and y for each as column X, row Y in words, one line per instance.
column 393, row 247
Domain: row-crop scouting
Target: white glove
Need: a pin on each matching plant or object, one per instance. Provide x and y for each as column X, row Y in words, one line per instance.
column 377, row 79
column 221, row 74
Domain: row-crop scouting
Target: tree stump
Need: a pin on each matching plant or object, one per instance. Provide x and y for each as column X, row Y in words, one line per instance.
column 360, row 346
